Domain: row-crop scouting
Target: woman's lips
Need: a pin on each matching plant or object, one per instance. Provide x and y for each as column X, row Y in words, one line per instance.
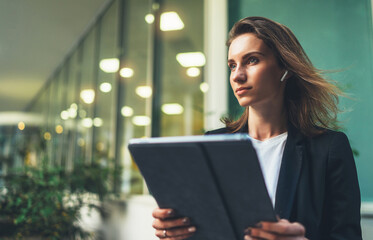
column 242, row 90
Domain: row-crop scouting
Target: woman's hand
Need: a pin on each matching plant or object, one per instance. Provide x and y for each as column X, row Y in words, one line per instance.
column 170, row 228
column 281, row 230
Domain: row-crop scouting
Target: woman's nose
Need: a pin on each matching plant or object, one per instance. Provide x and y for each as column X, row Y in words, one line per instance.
column 239, row 75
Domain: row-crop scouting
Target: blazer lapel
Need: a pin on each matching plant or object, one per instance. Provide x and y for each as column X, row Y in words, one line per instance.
column 289, row 173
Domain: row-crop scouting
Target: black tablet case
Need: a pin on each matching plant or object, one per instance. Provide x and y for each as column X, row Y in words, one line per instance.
column 218, row 184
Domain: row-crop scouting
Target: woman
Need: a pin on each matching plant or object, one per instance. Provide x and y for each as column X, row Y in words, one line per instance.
column 290, row 108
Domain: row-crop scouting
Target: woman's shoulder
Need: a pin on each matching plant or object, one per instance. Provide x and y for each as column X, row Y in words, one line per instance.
column 330, row 139
column 330, row 134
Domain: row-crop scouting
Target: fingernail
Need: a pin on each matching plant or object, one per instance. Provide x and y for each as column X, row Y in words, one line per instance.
column 192, row 229
column 247, row 231
column 259, row 225
column 170, row 212
column 247, row 237
column 186, row 220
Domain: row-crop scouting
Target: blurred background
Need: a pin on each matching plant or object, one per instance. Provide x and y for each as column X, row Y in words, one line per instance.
column 80, row 78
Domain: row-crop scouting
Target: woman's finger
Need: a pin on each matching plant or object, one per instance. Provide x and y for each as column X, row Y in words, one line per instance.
column 248, row 237
column 283, row 227
column 171, row 223
column 163, row 213
column 257, row 234
column 175, row 233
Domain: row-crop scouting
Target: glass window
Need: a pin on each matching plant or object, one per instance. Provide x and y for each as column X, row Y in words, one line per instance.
column 182, row 67
column 173, row 79
column 41, row 150
column 52, row 106
column 87, row 96
column 108, row 66
column 70, row 114
column 58, row 126
column 135, row 86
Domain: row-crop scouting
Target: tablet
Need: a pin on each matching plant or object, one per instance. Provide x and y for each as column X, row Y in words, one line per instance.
column 216, row 180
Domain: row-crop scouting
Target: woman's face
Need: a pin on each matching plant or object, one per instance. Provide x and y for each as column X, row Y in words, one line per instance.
column 255, row 74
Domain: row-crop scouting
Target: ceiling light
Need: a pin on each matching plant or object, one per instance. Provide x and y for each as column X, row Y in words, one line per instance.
column 141, row 120
column 172, row 109
column 126, row 111
column 59, row 129
column 74, row 106
column 105, row 87
column 64, row 115
column 87, row 122
column 87, row 95
column 98, row 122
column 47, row 136
column 109, row 65
column 126, row 72
column 155, row 6
column 191, row 59
column 193, row 72
column 171, row 21
column 72, row 112
column 204, row 87
column 21, row 126
column 144, row 91
column 149, row 18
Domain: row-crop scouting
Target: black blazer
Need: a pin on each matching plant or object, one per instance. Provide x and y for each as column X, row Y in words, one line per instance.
column 318, row 185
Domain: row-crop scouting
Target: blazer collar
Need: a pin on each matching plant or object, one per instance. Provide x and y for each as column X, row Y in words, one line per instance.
column 289, row 172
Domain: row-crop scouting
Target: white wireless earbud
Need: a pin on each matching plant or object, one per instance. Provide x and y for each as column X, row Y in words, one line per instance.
column 283, row 77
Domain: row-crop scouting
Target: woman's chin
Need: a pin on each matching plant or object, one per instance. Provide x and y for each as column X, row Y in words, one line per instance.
column 244, row 103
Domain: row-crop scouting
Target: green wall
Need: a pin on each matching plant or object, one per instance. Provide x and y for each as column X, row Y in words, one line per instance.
column 336, row 35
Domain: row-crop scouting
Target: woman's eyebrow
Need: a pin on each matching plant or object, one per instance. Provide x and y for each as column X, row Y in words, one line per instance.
column 248, row 55
column 251, row 53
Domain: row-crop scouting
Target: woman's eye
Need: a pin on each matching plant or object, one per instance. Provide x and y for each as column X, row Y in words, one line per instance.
column 253, row 60
column 232, row 66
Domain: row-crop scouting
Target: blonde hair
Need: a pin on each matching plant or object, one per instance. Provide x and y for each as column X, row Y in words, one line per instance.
column 310, row 100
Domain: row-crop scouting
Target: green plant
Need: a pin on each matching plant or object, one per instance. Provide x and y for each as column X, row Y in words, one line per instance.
column 46, row 201
column 37, row 202
column 92, row 178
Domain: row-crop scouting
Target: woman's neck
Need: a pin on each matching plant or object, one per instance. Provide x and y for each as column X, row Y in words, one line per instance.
column 267, row 123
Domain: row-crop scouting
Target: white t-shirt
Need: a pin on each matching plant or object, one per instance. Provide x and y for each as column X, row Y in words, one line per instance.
column 270, row 154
